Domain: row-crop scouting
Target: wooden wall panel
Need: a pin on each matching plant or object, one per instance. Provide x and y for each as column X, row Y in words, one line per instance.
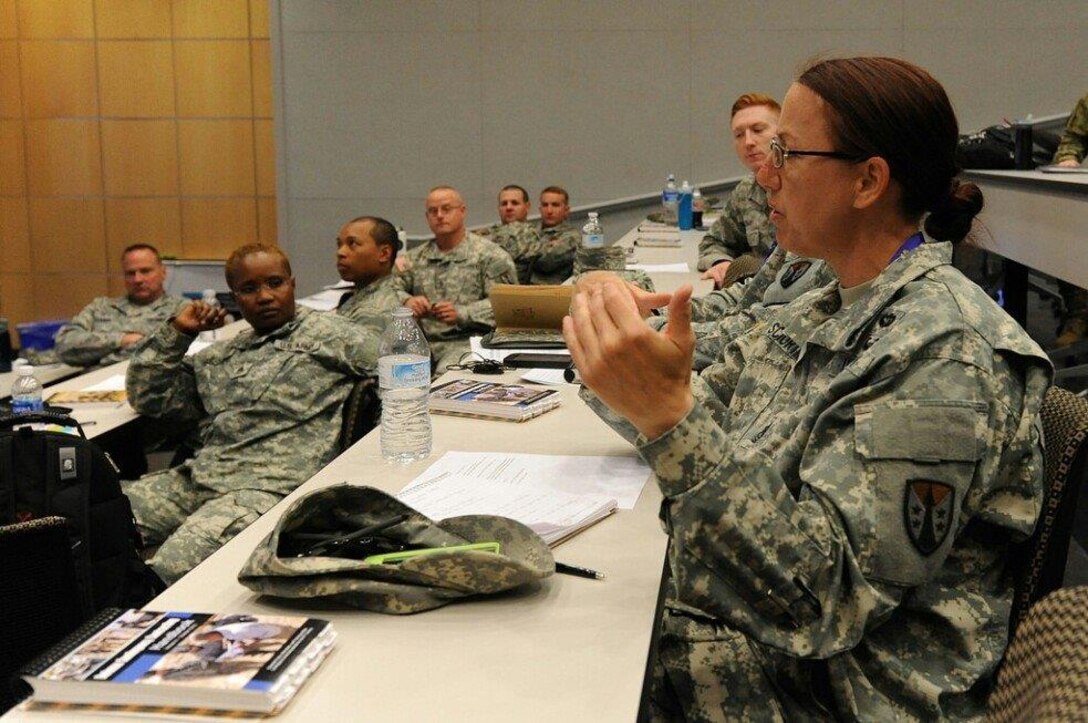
column 213, row 227
column 140, row 157
column 211, row 19
column 127, row 121
column 64, row 158
column 137, row 79
column 56, row 19
column 68, row 234
column 213, row 79
column 216, row 158
column 132, row 19
column 61, row 296
column 14, row 236
column 12, row 159
column 11, row 102
column 59, row 79
column 155, row 221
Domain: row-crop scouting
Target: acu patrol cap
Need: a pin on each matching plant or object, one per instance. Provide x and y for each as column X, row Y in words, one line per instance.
column 414, row 585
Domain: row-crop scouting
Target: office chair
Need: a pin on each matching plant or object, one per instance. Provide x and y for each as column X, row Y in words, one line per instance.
column 1039, row 563
column 39, row 596
column 1045, row 673
column 741, row 268
column 362, row 412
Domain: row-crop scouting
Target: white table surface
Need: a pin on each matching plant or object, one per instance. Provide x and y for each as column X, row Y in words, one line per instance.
column 1037, row 219
column 569, row 649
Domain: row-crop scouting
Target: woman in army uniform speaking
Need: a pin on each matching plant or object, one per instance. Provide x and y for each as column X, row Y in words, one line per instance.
column 843, row 486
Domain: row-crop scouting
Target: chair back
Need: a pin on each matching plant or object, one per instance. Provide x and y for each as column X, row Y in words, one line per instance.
column 39, row 597
column 1045, row 673
column 362, row 412
column 1039, row 564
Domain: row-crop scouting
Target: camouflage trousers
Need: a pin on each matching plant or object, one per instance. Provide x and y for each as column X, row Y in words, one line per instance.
column 189, row 521
column 706, row 671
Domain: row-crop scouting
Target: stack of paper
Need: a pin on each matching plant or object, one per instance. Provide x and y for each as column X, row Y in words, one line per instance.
column 556, row 496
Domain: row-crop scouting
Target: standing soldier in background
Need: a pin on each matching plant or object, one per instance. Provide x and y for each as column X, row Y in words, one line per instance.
column 448, row 281
column 107, row 329
column 559, row 240
column 743, row 227
column 1070, row 153
column 513, row 233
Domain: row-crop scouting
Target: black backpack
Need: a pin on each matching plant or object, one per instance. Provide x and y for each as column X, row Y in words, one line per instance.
column 46, row 473
column 994, row 148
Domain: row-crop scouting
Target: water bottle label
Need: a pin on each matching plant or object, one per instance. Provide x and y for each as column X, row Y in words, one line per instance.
column 403, row 374
column 593, row 240
column 25, row 406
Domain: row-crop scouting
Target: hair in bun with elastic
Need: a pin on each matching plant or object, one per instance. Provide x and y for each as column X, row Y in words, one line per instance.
column 950, row 218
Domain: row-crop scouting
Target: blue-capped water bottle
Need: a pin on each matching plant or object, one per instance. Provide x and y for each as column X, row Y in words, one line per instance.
column 404, row 377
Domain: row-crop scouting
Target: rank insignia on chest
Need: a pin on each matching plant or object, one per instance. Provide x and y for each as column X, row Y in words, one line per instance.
column 793, row 272
column 927, row 509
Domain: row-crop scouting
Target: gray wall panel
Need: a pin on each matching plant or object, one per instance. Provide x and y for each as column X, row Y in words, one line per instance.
column 377, row 101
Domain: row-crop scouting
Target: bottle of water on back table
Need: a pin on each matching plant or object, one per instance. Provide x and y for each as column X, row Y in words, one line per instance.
column 26, row 392
column 404, row 377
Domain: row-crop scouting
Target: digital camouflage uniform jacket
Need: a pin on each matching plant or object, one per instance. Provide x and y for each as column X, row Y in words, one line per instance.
column 724, row 314
column 464, row 276
column 271, row 405
column 520, row 240
column 369, row 306
column 1074, row 143
column 554, row 263
column 743, row 226
column 94, row 335
column 842, row 498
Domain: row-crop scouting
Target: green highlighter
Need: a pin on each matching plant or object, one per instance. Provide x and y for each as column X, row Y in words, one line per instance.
column 393, row 558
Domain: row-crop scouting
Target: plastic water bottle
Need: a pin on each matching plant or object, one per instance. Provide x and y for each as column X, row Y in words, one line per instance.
column 670, row 199
column 684, row 213
column 698, row 205
column 592, row 233
column 26, row 391
column 208, row 297
column 404, row 377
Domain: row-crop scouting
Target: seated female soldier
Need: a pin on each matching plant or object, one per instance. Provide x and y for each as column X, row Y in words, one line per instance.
column 843, row 487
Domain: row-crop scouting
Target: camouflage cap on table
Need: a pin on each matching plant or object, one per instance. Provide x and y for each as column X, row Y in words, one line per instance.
column 418, row 584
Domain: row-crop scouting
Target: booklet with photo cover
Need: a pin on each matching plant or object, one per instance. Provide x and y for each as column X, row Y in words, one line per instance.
column 146, row 659
column 528, row 317
column 473, row 398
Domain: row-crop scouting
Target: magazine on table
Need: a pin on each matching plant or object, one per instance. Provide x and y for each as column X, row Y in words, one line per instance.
column 493, row 400
column 143, row 659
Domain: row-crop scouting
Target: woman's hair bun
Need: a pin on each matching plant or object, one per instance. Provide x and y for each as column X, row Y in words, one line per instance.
column 950, row 218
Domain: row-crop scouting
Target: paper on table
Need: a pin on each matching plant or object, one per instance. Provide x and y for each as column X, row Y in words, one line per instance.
column 114, row 383
column 680, row 268
column 545, row 376
column 552, row 514
column 619, row 478
column 324, row 300
column 197, row 345
column 499, row 354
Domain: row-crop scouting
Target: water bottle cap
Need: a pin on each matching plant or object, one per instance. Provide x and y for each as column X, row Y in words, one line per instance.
column 402, row 311
column 24, row 370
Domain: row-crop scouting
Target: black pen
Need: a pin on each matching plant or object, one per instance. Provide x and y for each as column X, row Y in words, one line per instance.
column 564, row 568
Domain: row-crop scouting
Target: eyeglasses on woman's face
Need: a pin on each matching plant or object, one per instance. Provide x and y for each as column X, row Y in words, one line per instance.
column 779, row 154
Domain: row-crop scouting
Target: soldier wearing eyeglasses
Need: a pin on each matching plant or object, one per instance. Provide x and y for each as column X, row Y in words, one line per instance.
column 448, row 280
column 268, row 403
